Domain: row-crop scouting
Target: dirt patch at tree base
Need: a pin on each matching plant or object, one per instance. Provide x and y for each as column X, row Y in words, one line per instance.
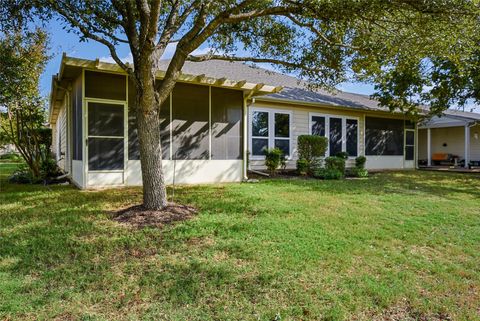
column 139, row 217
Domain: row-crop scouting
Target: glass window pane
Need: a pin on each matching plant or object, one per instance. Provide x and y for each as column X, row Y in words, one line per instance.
column 335, row 139
column 282, row 125
column 105, row 154
column 227, row 111
column 409, row 152
column 318, row 125
column 284, row 145
column 410, row 137
column 259, row 145
column 352, row 137
column 260, row 123
column 384, row 136
column 105, row 119
column 105, row 85
column 190, row 127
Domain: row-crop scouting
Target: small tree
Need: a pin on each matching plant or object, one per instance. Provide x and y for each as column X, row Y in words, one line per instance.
column 22, row 113
column 311, row 148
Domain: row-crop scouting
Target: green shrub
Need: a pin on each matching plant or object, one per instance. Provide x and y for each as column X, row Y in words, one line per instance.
column 49, row 169
column 11, row 157
column 303, row 167
column 357, row 172
column 335, row 163
column 360, row 162
column 330, row 173
column 343, row 155
column 311, row 148
column 274, row 158
column 22, row 175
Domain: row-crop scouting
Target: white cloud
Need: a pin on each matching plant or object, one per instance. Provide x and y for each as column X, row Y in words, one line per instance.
column 128, row 58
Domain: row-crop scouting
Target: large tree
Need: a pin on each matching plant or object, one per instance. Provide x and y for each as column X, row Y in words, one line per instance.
column 322, row 41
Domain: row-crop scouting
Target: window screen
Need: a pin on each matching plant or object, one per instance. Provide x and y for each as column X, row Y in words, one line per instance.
column 227, row 106
column 105, row 154
column 383, row 136
column 77, row 122
column 105, row 119
column 105, row 85
column 282, row 132
column 190, row 111
column 133, row 144
column 409, row 145
column 335, row 139
column 352, row 137
column 318, row 125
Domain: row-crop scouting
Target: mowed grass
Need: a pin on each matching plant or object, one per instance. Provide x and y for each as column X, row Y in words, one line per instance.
column 403, row 244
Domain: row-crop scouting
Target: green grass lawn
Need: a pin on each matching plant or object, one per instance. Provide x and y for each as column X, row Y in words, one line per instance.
column 398, row 246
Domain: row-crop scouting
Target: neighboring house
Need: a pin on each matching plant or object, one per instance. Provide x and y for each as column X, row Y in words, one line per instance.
column 454, row 137
column 218, row 113
column 8, row 149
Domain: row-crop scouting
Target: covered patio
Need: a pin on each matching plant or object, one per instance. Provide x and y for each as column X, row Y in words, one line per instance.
column 450, row 141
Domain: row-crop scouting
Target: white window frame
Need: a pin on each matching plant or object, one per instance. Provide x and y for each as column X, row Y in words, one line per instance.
column 271, row 130
column 344, row 130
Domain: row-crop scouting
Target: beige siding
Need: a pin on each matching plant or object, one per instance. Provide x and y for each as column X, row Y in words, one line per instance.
column 301, row 126
column 475, row 143
column 60, row 148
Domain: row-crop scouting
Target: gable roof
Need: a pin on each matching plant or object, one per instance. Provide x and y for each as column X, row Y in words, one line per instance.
column 294, row 90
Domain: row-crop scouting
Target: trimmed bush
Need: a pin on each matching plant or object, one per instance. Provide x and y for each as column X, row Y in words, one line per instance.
column 311, row 148
column 336, row 163
column 11, row 157
column 274, row 158
column 360, row 162
column 343, row 155
column 303, row 167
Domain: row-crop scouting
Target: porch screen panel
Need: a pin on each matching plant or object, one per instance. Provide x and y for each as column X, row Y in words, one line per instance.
column 77, row 122
column 190, row 127
column 133, row 143
column 352, row 137
column 105, row 120
column 383, row 136
column 335, row 139
column 227, row 106
column 105, row 85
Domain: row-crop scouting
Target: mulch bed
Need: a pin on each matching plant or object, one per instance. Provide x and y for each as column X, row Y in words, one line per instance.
column 139, row 217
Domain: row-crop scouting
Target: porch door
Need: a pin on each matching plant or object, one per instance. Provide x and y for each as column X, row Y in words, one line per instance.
column 105, row 143
column 409, row 152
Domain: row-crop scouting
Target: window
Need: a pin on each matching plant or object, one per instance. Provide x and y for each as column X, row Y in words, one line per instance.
column 270, row 129
column 352, row 137
column 342, row 133
column 384, row 136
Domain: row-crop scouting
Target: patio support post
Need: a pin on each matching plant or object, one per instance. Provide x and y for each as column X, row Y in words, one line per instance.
column 429, row 147
column 467, row 145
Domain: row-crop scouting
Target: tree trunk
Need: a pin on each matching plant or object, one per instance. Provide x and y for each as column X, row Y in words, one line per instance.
column 148, row 121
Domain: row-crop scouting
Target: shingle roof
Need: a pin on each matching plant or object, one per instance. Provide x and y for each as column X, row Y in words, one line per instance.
column 463, row 114
column 294, row 89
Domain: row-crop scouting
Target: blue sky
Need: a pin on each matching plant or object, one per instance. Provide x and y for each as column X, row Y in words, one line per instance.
column 62, row 41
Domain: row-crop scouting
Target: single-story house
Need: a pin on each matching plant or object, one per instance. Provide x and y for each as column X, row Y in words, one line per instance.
column 451, row 139
column 219, row 114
